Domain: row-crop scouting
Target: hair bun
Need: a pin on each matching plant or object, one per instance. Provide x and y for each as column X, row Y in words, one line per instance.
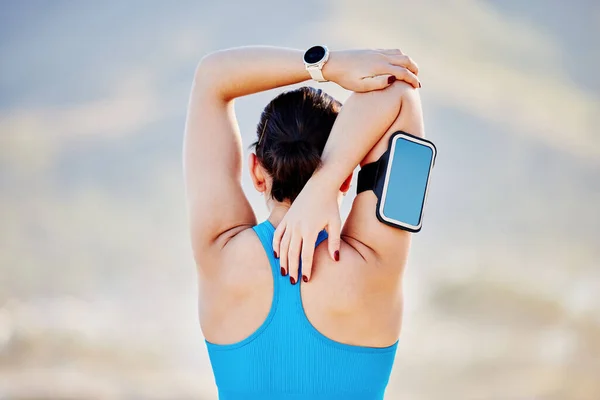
column 292, row 133
column 294, row 162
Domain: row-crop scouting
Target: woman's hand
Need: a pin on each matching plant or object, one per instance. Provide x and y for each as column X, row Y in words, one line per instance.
column 315, row 208
column 367, row 70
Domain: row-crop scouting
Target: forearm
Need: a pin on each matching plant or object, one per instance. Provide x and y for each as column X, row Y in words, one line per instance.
column 242, row 71
column 362, row 122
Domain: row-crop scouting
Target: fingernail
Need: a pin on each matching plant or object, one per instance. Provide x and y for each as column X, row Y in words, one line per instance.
column 292, row 280
column 419, row 84
column 391, row 79
column 275, row 254
column 304, row 278
column 282, row 271
column 336, row 255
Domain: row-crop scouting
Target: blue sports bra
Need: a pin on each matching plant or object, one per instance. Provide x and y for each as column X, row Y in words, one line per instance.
column 286, row 358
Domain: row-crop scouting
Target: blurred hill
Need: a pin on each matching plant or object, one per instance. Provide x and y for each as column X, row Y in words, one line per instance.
column 97, row 298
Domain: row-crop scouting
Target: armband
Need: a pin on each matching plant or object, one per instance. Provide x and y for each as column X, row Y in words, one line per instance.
column 400, row 179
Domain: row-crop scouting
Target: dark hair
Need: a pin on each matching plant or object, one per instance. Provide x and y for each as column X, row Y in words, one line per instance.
column 292, row 133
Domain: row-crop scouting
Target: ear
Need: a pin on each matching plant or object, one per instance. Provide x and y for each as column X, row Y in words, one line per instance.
column 257, row 173
column 346, row 185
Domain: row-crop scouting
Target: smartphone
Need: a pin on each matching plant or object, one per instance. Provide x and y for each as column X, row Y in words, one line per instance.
column 404, row 191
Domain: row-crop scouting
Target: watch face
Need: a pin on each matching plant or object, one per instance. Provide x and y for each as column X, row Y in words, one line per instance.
column 314, row 54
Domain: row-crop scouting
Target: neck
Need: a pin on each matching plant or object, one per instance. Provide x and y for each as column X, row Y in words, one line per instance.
column 278, row 211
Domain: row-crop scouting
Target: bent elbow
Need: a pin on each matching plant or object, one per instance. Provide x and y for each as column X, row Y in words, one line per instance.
column 205, row 72
column 202, row 71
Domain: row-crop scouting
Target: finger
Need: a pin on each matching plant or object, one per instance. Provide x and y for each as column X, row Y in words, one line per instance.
column 294, row 257
column 391, row 52
column 377, row 82
column 333, row 230
column 403, row 74
column 277, row 238
column 283, row 252
column 405, row 61
column 308, row 250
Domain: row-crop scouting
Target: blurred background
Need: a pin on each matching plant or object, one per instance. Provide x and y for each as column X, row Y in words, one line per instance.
column 97, row 283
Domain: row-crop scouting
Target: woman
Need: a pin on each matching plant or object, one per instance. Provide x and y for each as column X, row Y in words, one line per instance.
column 274, row 330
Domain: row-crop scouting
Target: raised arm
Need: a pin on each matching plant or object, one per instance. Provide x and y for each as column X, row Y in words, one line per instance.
column 359, row 135
column 218, row 208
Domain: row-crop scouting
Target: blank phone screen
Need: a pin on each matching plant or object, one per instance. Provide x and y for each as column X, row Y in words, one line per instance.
column 407, row 181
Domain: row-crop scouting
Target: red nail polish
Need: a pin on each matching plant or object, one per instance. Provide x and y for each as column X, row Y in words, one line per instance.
column 275, row 254
column 391, row 79
column 304, row 278
column 292, row 280
column 336, row 255
column 282, row 271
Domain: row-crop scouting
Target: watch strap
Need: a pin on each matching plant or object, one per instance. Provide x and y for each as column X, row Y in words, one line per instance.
column 367, row 176
column 316, row 74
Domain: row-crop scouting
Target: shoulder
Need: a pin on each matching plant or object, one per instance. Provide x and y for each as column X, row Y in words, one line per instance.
column 359, row 287
column 376, row 243
column 358, row 271
column 234, row 256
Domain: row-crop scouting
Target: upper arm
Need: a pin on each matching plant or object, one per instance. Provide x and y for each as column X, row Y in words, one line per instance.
column 217, row 205
column 362, row 229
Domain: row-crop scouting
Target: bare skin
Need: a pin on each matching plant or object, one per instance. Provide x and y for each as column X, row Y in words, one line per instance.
column 356, row 300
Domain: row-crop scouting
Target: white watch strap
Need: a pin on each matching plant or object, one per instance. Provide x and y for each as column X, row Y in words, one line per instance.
column 316, row 74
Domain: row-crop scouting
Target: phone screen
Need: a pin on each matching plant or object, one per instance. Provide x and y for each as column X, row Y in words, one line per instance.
column 405, row 187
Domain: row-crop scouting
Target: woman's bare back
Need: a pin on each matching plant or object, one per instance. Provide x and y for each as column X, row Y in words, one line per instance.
column 348, row 301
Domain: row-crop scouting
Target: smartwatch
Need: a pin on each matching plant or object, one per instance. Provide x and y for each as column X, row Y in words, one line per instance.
column 314, row 59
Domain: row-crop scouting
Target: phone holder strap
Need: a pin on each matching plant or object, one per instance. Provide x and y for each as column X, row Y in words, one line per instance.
column 367, row 176
column 371, row 176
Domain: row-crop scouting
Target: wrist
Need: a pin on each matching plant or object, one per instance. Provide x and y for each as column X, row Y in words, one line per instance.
column 329, row 70
column 325, row 180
